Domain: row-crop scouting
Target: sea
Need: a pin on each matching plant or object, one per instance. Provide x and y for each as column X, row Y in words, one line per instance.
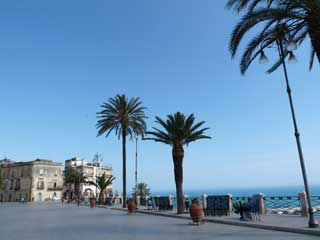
column 275, row 191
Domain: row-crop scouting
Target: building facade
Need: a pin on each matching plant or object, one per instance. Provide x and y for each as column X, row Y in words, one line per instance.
column 37, row 180
column 91, row 170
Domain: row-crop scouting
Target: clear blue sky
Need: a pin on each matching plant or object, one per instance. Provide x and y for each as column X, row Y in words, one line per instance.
column 59, row 60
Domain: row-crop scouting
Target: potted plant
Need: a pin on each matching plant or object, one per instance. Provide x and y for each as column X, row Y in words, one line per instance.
column 131, row 205
column 196, row 211
column 240, row 208
column 92, row 202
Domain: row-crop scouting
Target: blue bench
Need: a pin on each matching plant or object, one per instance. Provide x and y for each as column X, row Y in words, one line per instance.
column 163, row 203
column 219, row 205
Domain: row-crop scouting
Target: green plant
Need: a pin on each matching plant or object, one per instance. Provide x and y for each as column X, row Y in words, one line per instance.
column 73, row 176
column 302, row 18
column 178, row 130
column 240, row 208
column 79, row 177
column 126, row 118
column 141, row 190
column 102, row 182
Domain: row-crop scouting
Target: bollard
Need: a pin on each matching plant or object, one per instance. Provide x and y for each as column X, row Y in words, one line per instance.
column 262, row 204
column 170, row 200
column 303, row 204
column 204, row 202
column 138, row 200
column 230, row 203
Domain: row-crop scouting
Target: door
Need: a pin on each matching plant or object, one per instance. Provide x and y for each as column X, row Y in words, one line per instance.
column 39, row 197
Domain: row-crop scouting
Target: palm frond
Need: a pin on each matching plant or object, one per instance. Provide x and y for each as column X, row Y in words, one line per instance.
column 178, row 129
column 119, row 115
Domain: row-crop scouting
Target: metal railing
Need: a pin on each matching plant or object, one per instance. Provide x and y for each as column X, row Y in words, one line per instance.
column 54, row 188
column 283, row 204
column 289, row 205
column 316, row 204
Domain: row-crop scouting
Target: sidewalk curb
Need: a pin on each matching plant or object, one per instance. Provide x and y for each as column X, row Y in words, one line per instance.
column 241, row 224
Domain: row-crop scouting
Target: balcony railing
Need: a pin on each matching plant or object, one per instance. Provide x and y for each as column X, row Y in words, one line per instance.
column 59, row 188
column 40, row 187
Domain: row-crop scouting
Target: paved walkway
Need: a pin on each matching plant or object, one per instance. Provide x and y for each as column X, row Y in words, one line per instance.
column 56, row 221
column 288, row 223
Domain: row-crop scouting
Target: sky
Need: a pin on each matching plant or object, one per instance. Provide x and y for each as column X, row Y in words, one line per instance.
column 60, row 60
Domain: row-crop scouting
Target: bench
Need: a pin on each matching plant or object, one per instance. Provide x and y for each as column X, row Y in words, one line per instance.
column 163, row 203
column 217, row 205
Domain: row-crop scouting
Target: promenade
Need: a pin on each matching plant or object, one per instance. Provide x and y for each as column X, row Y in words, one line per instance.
column 286, row 223
column 56, row 221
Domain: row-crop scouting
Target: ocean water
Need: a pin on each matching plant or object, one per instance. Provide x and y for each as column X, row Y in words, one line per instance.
column 246, row 192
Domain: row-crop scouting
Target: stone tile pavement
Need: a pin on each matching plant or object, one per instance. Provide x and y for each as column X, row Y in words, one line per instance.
column 286, row 223
column 56, row 221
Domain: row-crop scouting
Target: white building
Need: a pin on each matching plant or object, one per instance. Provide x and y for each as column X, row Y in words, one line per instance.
column 91, row 169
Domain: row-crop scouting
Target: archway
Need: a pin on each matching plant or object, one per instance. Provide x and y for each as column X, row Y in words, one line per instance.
column 39, row 197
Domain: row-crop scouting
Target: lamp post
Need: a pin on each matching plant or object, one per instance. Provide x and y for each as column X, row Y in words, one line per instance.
column 136, row 172
column 280, row 39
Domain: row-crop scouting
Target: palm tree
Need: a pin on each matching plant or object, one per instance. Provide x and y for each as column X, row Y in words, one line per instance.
column 302, row 18
column 141, row 190
column 69, row 176
column 79, row 178
column 126, row 118
column 179, row 130
column 75, row 177
column 102, row 182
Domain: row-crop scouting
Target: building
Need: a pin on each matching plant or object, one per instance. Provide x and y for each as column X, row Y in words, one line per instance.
column 36, row 180
column 91, row 169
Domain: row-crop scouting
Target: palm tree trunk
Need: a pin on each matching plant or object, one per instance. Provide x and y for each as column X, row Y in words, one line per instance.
column 177, row 155
column 76, row 189
column 124, row 170
column 101, row 198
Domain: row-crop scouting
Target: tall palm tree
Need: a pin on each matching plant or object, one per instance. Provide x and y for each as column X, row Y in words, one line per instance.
column 102, row 182
column 179, row 130
column 302, row 18
column 141, row 190
column 125, row 117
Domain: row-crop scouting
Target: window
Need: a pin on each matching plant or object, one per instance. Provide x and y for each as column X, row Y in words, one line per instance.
column 17, row 185
column 41, row 172
column 21, row 175
column 54, row 185
column 11, row 184
column 40, row 184
column 55, row 172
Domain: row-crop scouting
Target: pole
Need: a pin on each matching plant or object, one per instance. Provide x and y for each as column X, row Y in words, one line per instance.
column 312, row 221
column 136, row 171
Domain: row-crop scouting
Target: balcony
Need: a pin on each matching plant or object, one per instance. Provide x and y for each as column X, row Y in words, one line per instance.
column 40, row 187
column 59, row 188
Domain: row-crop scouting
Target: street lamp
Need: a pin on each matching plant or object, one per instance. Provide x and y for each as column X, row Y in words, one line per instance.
column 283, row 37
column 136, row 172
